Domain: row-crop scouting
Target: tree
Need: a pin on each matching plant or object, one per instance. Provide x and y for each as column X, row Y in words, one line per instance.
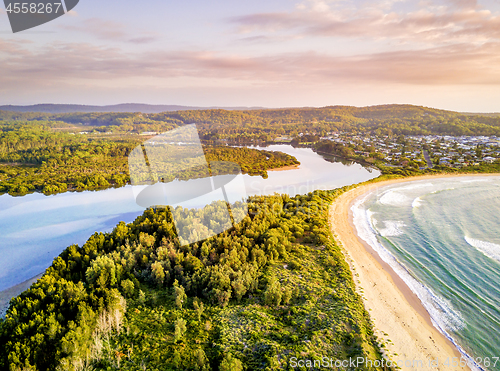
column 177, row 361
column 239, row 288
column 142, row 297
column 230, row 363
column 273, row 294
column 127, row 287
column 201, row 360
column 179, row 294
column 222, row 296
column 180, row 329
column 102, row 272
column 158, row 272
column 198, row 307
column 121, row 231
column 287, row 296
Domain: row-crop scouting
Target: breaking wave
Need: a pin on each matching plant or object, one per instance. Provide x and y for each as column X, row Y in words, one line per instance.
column 392, row 228
column 416, row 202
column 491, row 250
column 394, row 198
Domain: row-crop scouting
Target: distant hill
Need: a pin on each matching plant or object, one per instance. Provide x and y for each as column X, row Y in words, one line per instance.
column 492, row 114
column 126, row 107
column 264, row 124
column 388, row 110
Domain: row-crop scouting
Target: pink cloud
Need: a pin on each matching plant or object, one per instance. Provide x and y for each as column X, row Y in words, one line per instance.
column 446, row 65
column 462, row 21
column 109, row 30
column 100, row 28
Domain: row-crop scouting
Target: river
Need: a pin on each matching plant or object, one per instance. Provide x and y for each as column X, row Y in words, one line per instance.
column 35, row 228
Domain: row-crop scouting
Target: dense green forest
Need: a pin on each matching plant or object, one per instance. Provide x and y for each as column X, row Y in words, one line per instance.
column 265, row 124
column 41, row 156
column 273, row 287
column 46, row 152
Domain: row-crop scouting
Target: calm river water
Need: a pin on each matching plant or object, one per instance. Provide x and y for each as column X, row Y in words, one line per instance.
column 35, row 228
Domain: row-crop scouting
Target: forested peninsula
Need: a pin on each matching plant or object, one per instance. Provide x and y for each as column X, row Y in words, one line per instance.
column 274, row 287
column 45, row 157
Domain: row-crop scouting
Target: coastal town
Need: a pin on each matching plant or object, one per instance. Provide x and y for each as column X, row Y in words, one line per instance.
column 415, row 151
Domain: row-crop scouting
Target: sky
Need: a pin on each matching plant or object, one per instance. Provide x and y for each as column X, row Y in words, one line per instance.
column 268, row 53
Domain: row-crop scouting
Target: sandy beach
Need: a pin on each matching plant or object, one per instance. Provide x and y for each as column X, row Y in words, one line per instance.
column 396, row 312
column 284, row 168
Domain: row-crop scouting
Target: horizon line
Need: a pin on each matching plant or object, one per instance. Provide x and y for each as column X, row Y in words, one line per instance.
column 223, row 107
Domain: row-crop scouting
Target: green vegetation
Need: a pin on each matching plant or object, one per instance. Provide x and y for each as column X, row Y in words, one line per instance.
column 273, row 287
column 43, row 157
column 344, row 151
column 252, row 161
column 45, row 152
column 266, row 124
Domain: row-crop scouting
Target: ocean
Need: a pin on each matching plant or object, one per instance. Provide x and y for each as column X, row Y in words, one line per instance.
column 442, row 237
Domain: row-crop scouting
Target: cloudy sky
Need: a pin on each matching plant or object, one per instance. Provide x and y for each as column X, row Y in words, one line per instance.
column 271, row 53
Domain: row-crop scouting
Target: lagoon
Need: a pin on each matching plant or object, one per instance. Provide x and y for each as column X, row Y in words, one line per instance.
column 36, row 228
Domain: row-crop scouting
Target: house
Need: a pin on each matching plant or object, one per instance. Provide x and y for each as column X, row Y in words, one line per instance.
column 444, row 161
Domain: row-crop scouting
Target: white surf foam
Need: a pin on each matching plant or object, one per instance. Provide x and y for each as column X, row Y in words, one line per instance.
column 443, row 316
column 442, row 190
column 392, row 228
column 416, row 186
column 416, row 202
column 393, row 198
column 475, row 180
column 372, row 220
column 491, row 250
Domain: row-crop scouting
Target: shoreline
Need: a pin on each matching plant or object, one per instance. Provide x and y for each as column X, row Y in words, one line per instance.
column 396, row 312
column 13, row 291
column 284, row 168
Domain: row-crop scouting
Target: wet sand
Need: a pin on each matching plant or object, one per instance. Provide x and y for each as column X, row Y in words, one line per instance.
column 395, row 310
column 284, row 168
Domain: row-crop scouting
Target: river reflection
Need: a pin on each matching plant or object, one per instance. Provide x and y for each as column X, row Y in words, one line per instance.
column 35, row 228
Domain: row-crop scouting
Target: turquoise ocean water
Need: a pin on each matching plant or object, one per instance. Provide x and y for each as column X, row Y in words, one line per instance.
column 442, row 236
